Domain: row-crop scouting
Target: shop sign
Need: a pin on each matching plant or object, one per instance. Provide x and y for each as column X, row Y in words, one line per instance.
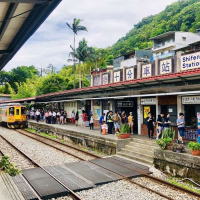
column 148, row 101
column 124, row 104
column 96, row 80
column 190, row 61
column 130, row 74
column 116, row 76
column 191, row 100
column 105, row 79
column 146, row 70
column 165, row 66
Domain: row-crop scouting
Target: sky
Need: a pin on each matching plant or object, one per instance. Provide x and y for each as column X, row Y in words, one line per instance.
column 106, row 21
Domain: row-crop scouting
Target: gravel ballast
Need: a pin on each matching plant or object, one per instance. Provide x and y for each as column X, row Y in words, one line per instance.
column 39, row 152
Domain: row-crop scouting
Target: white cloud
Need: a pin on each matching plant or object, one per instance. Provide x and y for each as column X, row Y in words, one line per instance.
column 106, row 21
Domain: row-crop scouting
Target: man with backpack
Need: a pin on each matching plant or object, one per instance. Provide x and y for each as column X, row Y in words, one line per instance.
column 110, row 122
column 116, row 120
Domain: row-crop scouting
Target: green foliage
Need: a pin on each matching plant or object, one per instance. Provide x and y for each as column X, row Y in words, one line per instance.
column 161, row 143
column 168, row 133
column 8, row 167
column 167, row 141
column 124, row 129
column 180, row 16
column 194, row 146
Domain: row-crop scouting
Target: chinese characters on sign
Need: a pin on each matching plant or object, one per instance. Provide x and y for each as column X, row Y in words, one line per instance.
column 190, row 61
column 105, row 79
column 149, row 101
column 116, row 76
column 129, row 74
column 124, row 104
column 191, row 100
column 146, row 70
column 165, row 66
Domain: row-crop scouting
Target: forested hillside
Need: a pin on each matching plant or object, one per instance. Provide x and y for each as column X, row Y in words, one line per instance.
column 180, row 16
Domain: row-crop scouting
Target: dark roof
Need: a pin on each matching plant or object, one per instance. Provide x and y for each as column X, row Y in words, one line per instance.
column 35, row 12
column 163, row 35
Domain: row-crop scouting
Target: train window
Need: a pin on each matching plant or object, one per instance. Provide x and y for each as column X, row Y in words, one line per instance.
column 11, row 111
column 17, row 111
column 23, row 110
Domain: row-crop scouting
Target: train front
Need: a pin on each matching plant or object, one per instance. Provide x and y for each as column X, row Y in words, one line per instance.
column 16, row 117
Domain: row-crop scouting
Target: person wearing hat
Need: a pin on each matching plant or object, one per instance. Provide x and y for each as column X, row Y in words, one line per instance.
column 131, row 122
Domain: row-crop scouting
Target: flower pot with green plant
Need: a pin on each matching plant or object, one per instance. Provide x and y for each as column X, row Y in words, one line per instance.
column 124, row 132
column 195, row 148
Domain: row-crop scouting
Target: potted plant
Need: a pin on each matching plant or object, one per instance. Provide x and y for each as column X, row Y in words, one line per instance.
column 161, row 143
column 179, row 148
column 195, row 148
column 124, row 132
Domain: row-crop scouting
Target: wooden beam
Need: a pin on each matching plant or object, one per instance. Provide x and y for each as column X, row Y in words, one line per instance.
column 11, row 10
column 24, row 1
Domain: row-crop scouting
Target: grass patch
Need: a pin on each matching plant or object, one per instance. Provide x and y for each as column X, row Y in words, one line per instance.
column 31, row 130
column 182, row 185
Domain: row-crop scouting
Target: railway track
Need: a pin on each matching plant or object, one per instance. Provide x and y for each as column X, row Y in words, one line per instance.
column 155, row 179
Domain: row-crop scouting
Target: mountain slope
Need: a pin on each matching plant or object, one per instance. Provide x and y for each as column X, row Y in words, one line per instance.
column 180, row 16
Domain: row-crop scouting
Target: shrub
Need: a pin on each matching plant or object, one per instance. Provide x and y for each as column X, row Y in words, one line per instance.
column 124, row 129
column 194, row 146
column 161, row 143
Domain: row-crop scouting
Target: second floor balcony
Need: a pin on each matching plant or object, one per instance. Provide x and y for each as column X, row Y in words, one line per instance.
column 166, row 55
column 128, row 63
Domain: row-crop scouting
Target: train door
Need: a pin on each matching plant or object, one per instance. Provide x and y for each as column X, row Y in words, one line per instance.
column 17, row 113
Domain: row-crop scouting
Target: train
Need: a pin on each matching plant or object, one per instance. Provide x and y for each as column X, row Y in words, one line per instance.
column 13, row 115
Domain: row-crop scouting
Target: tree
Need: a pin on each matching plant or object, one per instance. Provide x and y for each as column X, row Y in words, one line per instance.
column 76, row 27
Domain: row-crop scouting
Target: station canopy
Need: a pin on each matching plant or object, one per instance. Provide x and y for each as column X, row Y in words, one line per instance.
column 19, row 19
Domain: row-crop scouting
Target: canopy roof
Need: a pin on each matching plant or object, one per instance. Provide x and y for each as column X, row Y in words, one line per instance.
column 19, row 19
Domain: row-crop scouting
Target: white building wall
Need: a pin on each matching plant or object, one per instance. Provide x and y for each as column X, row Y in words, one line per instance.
column 69, row 107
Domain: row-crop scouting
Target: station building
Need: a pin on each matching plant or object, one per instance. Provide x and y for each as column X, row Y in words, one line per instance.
column 168, row 85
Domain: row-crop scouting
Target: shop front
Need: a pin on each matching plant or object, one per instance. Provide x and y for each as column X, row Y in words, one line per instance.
column 128, row 105
column 192, row 107
column 147, row 105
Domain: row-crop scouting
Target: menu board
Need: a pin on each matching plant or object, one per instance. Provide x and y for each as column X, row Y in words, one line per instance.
column 191, row 134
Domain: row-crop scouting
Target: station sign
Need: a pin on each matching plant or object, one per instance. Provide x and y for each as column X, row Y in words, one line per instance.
column 148, row 101
column 190, row 61
column 116, row 76
column 105, row 79
column 130, row 74
column 124, row 104
column 191, row 100
column 166, row 66
column 146, row 70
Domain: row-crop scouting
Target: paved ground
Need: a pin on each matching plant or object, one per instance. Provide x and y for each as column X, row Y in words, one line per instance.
column 4, row 194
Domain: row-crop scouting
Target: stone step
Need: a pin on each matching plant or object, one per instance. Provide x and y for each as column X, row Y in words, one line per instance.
column 144, row 141
column 142, row 150
column 135, row 157
column 139, row 154
column 143, row 146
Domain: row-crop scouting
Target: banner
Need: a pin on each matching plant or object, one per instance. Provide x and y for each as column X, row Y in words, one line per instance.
column 146, row 111
column 190, row 61
column 130, row 74
column 146, row 70
column 198, row 125
column 116, row 76
column 165, row 66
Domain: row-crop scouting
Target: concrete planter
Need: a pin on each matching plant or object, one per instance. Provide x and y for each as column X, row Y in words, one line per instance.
column 124, row 136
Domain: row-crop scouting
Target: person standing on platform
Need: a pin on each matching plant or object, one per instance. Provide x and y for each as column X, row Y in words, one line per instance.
column 123, row 117
column 76, row 118
column 181, row 127
column 150, row 125
column 91, row 122
column 110, row 122
column 28, row 114
column 73, row 117
column 65, row 117
column 58, row 117
column 46, row 116
column 50, row 117
column 167, row 122
column 62, row 118
column 37, row 115
column 131, row 122
column 54, row 117
column 116, row 121
column 84, row 118
column 160, row 122
column 101, row 121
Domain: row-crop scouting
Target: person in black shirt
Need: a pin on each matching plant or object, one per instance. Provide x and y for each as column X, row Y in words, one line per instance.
column 167, row 122
column 160, row 122
column 150, row 125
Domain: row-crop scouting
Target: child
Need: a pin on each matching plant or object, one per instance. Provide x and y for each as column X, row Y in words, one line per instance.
column 92, row 122
column 181, row 127
column 104, row 128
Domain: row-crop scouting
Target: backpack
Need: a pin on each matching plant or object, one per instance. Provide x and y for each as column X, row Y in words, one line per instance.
column 116, row 118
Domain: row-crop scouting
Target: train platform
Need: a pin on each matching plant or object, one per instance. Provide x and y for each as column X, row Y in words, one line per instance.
column 8, row 189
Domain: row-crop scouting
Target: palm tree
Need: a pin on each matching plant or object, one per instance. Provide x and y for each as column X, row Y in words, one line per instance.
column 76, row 27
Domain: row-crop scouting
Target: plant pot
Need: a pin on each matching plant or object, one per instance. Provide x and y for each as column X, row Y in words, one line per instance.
column 124, row 136
column 195, row 152
column 168, row 147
